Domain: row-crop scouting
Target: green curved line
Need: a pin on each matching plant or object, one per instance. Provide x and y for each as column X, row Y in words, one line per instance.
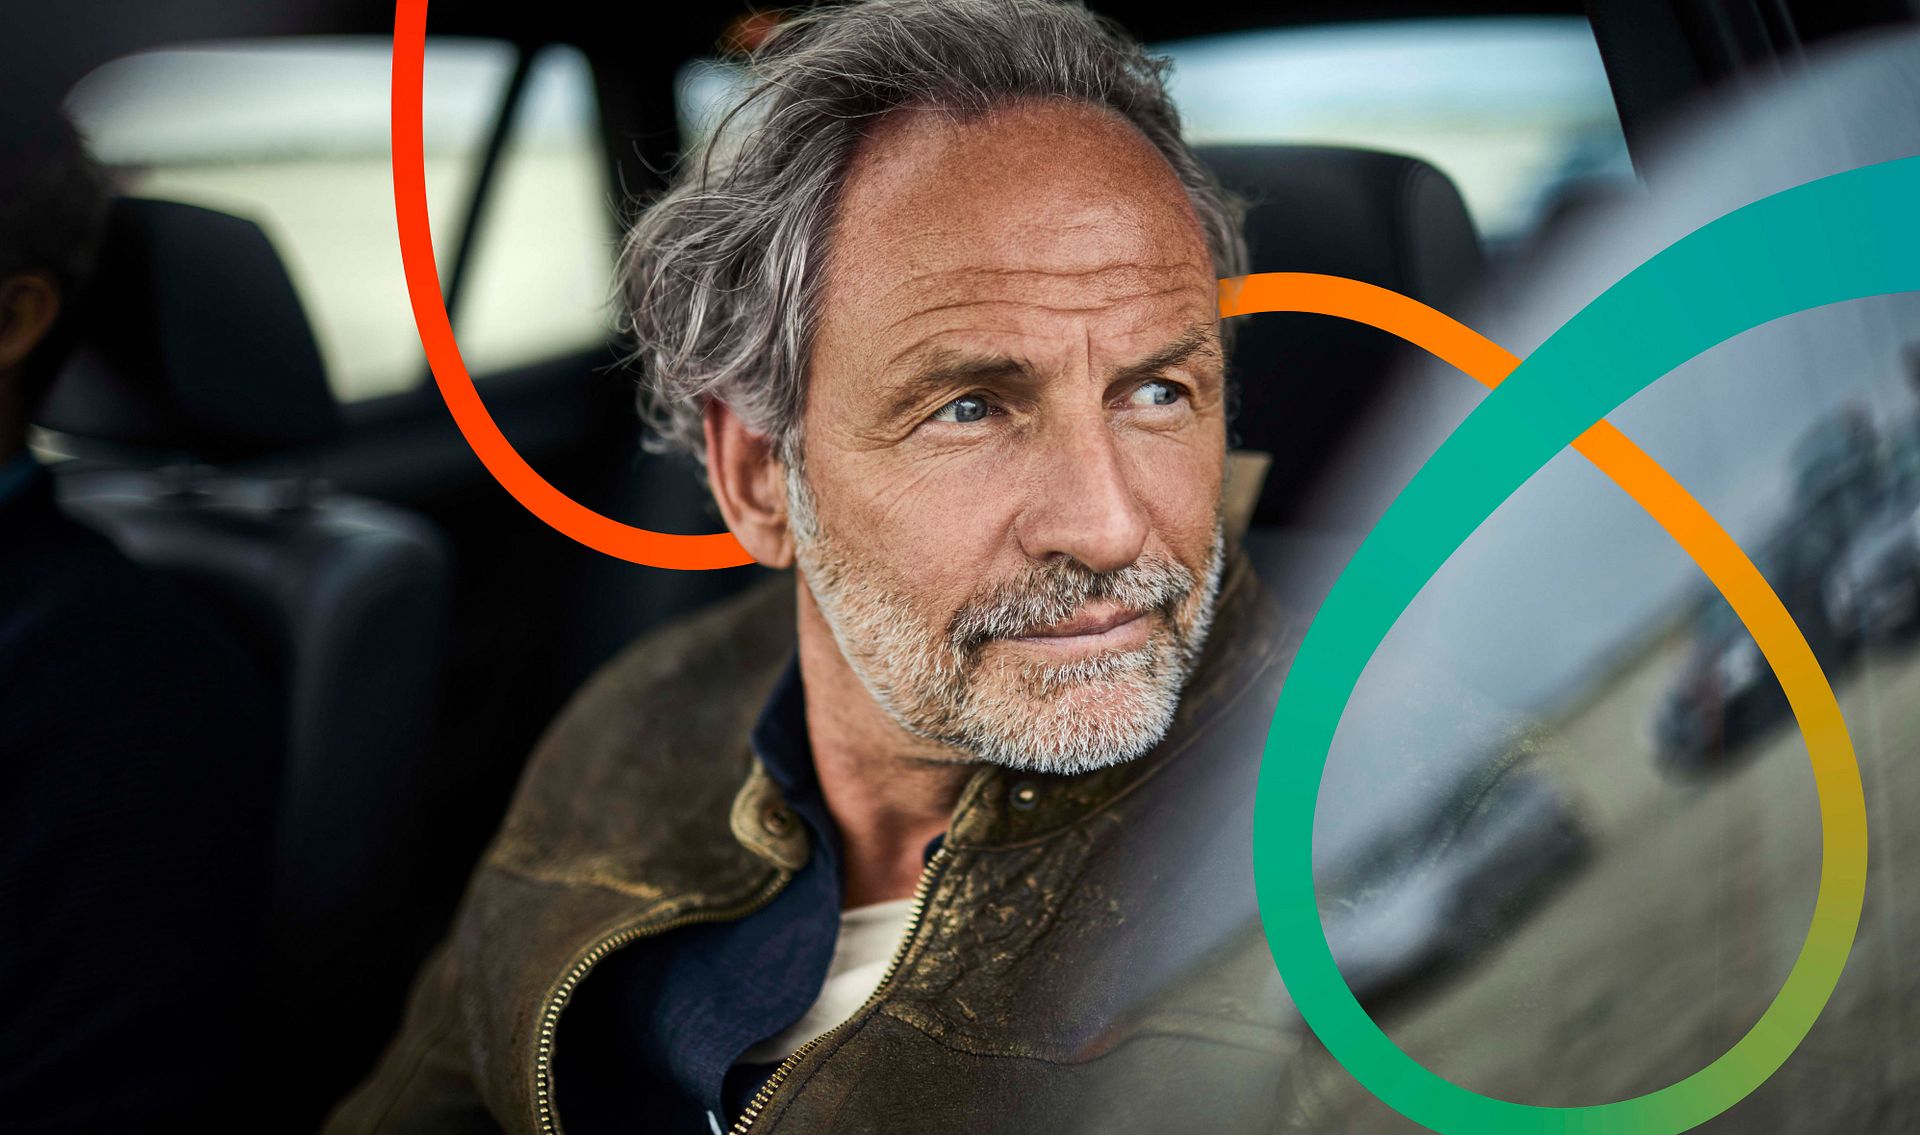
column 1843, row 237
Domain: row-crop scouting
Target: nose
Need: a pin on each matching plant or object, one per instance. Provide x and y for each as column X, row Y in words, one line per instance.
column 1083, row 502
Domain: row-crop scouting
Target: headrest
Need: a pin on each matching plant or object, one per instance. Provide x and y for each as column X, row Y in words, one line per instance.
column 33, row 131
column 1386, row 219
column 191, row 341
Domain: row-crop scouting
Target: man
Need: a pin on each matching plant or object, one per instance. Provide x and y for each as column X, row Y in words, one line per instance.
column 949, row 831
column 138, row 752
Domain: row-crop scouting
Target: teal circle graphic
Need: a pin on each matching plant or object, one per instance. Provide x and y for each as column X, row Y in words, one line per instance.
column 1851, row 235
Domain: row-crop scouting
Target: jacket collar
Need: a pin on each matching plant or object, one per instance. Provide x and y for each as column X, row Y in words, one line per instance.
column 782, row 796
column 631, row 817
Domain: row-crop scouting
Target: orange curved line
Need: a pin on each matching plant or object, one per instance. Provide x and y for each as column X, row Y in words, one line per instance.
column 1625, row 463
column 1488, row 363
column 534, row 492
column 1440, row 335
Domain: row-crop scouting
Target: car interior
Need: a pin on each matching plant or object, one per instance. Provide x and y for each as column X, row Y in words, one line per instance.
column 230, row 419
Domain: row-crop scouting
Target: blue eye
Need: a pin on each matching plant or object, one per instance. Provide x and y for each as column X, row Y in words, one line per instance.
column 1155, row 393
column 965, row 409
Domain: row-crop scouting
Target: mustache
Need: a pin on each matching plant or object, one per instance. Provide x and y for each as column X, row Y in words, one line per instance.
column 1042, row 596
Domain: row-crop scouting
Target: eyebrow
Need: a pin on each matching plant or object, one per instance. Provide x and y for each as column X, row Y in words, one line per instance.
column 946, row 368
column 1196, row 340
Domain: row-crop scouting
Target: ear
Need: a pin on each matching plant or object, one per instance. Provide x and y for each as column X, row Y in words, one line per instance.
column 29, row 303
column 750, row 484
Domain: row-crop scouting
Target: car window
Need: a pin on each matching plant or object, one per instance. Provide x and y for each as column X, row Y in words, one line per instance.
column 1571, row 628
column 1516, row 110
column 703, row 91
column 543, row 259
column 242, row 127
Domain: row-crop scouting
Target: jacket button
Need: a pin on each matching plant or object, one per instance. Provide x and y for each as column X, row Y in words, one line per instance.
column 1024, row 796
column 777, row 820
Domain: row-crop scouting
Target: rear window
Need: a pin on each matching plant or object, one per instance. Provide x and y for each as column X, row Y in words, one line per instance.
column 1516, row 110
column 293, row 134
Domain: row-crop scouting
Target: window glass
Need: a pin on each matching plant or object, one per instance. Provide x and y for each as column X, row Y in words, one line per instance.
column 703, row 91
column 1628, row 915
column 293, row 134
column 1516, row 110
column 1511, row 108
column 1650, row 884
column 540, row 276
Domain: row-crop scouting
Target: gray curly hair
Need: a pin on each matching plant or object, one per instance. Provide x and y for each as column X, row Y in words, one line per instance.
column 721, row 277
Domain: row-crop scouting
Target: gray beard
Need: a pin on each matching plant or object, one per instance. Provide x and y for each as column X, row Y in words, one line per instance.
column 937, row 684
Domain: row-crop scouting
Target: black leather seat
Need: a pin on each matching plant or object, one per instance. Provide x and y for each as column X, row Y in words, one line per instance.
column 1306, row 381
column 195, row 355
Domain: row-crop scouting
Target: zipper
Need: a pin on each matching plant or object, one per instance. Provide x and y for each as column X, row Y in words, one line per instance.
column 914, row 913
column 550, row 1018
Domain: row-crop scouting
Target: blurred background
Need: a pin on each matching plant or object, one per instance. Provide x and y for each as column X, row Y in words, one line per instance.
column 1567, row 845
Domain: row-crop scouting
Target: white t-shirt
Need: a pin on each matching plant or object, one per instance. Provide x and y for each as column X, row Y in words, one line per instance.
column 869, row 935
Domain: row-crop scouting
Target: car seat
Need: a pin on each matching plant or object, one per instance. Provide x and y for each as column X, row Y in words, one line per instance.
column 195, row 389
column 1305, row 382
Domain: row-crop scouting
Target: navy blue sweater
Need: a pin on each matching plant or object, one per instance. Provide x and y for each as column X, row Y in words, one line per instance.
column 653, row 1038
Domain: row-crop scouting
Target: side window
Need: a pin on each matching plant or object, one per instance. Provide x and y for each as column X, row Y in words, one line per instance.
column 243, row 127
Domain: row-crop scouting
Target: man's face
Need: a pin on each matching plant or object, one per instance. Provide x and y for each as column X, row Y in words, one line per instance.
column 1008, row 511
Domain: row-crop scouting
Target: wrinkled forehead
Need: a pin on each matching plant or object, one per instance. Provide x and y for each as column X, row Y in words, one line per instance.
column 1034, row 207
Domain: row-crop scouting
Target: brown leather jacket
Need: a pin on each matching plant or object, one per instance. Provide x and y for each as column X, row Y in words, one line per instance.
column 1085, row 952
